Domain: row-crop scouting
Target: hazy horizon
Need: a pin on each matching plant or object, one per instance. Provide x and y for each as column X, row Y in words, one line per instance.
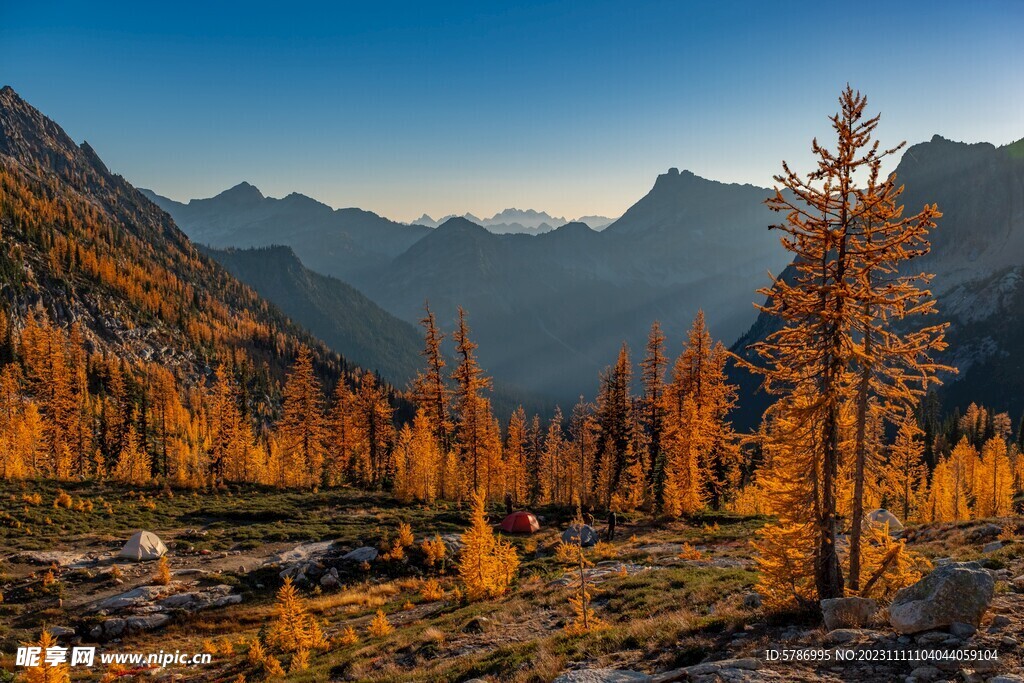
column 573, row 110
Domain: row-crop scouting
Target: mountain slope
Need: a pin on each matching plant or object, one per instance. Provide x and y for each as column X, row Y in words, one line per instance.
column 977, row 258
column 332, row 310
column 95, row 253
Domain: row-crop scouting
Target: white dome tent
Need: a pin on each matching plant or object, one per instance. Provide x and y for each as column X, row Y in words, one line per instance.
column 142, row 546
column 880, row 517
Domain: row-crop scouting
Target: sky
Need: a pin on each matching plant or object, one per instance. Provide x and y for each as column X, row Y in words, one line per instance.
column 570, row 107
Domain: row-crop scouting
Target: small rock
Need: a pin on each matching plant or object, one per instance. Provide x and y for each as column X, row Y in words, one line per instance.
column 992, row 547
column 364, row 554
column 962, row 630
column 61, row 631
column 752, row 600
column 1006, row 678
column 853, row 612
column 931, row 638
column 478, row 625
column 845, row 635
column 329, row 581
column 998, row 623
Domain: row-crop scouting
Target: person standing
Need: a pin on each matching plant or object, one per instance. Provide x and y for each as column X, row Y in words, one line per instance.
column 612, row 519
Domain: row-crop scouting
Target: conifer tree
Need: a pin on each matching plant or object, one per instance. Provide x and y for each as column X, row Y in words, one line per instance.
column 487, row 565
column 301, row 428
column 994, row 494
column 133, row 465
column 44, row 672
column 341, row 438
column 472, row 410
column 653, row 368
column 905, row 476
column 615, row 425
column 429, row 388
column 294, row 628
column 374, row 425
column 517, row 476
column 842, row 237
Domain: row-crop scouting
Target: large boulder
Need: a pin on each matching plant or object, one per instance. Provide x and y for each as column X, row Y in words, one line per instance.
column 853, row 612
column 956, row 592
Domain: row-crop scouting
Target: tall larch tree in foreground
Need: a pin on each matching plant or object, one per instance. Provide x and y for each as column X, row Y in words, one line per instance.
column 301, row 428
column 815, row 354
column 893, row 356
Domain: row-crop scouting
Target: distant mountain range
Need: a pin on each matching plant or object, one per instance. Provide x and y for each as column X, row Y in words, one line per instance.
column 347, row 243
column 977, row 258
column 548, row 310
column 519, row 221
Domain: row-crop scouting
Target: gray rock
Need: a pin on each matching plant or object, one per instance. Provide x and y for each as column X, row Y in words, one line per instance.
column 303, row 552
column 603, row 676
column 985, row 531
column 146, row 623
column 955, row 592
column 846, row 635
column 61, row 631
column 962, row 630
column 113, row 627
column 137, row 597
column 931, row 638
column 850, row 612
column 1000, row 621
column 992, row 546
column 329, row 581
column 1007, row 678
column 49, row 557
column 752, row 600
column 364, row 554
column 705, row 668
column 214, row 596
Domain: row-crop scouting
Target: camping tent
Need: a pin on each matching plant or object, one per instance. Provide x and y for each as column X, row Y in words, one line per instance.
column 583, row 534
column 521, row 522
column 880, row 517
column 144, row 545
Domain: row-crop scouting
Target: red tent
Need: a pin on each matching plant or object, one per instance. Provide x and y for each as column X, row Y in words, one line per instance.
column 520, row 523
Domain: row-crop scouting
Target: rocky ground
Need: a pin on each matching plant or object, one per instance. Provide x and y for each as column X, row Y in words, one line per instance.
column 676, row 601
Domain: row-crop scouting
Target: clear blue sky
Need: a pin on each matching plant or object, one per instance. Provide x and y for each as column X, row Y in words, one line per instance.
column 570, row 107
